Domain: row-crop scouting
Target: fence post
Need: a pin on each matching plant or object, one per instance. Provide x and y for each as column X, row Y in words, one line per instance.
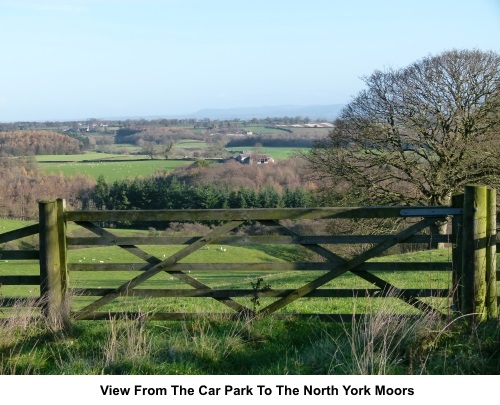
column 63, row 250
column 53, row 277
column 457, row 224
column 491, row 255
column 477, row 253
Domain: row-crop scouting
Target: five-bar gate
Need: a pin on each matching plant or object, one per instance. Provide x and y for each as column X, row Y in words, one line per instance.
column 472, row 263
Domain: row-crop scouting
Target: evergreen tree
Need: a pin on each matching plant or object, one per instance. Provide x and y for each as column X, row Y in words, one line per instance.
column 101, row 193
column 118, row 198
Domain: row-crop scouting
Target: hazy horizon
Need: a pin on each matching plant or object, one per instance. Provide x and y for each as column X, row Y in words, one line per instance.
column 326, row 112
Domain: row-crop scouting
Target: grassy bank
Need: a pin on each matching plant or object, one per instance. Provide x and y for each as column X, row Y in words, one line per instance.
column 381, row 344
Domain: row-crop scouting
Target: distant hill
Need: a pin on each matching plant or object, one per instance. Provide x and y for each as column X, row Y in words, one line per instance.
column 314, row 112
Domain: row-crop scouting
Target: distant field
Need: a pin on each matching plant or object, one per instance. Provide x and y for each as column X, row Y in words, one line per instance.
column 305, row 132
column 275, row 152
column 81, row 157
column 258, row 129
column 310, row 132
column 114, row 170
column 190, row 144
column 123, row 149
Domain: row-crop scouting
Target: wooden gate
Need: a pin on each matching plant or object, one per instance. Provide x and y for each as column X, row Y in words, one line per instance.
column 472, row 263
column 332, row 267
column 230, row 220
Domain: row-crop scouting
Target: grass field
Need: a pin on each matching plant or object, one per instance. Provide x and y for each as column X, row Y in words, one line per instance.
column 122, row 149
column 115, row 170
column 259, row 129
column 190, row 144
column 81, row 157
column 275, row 152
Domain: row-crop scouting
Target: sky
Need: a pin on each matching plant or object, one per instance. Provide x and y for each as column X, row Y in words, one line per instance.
column 79, row 59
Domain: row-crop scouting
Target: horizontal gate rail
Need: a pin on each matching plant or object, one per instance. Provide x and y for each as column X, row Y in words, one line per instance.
column 211, row 293
column 19, row 255
column 19, row 280
column 248, row 240
column 257, row 214
column 267, row 266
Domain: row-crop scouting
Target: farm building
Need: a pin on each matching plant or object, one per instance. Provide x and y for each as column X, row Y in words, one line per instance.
column 254, row 158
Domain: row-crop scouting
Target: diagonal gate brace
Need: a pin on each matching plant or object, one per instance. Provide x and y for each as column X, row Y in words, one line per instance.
column 163, row 266
column 346, row 266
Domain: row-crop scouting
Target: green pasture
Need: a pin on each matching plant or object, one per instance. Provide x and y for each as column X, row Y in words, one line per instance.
column 190, row 144
column 278, row 153
column 81, row 157
column 122, row 149
column 275, row 152
column 114, row 170
column 296, row 131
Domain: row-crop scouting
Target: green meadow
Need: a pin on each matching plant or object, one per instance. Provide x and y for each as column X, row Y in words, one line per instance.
column 87, row 156
column 114, row 169
column 190, row 144
column 278, row 153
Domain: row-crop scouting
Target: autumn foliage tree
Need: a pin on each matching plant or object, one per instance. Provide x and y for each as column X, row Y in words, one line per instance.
column 36, row 142
column 23, row 184
column 284, row 174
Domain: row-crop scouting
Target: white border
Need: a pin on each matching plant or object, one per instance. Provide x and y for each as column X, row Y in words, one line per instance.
column 88, row 389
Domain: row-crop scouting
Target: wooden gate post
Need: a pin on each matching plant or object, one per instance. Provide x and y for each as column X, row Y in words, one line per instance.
column 53, row 276
column 457, row 224
column 491, row 255
column 478, row 253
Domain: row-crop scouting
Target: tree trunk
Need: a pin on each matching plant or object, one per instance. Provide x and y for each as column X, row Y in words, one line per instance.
column 438, row 228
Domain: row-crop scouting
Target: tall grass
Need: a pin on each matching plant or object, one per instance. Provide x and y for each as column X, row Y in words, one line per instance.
column 380, row 342
column 19, row 330
column 384, row 339
column 127, row 340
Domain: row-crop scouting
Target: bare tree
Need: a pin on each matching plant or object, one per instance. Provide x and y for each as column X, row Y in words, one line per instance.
column 148, row 148
column 419, row 134
column 167, row 149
